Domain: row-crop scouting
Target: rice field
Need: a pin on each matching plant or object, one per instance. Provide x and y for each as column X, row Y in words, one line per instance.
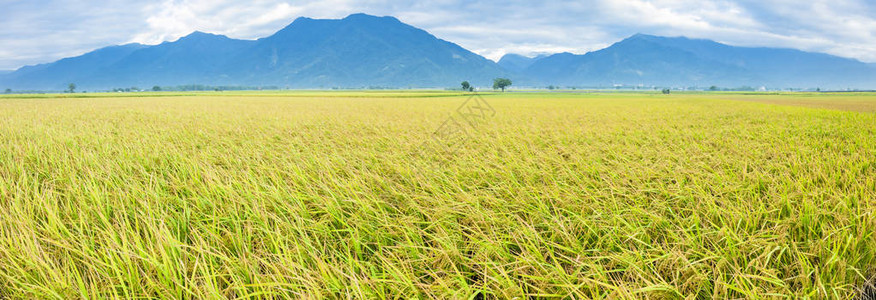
column 420, row 194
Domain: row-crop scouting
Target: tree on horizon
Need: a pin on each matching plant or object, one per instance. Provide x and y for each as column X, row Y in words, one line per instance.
column 501, row 83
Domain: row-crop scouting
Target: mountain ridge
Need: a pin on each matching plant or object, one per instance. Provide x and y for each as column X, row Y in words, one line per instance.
column 680, row 61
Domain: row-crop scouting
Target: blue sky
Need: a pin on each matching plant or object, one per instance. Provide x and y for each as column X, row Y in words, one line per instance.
column 37, row 31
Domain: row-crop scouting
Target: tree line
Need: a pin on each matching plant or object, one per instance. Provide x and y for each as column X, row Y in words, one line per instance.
column 498, row 83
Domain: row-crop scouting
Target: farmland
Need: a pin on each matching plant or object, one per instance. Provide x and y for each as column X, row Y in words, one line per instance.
column 363, row 195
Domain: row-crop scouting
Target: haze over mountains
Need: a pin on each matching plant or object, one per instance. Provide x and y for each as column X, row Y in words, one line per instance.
column 362, row 51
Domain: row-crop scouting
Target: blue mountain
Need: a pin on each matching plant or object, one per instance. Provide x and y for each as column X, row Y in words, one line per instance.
column 517, row 62
column 680, row 61
column 357, row 51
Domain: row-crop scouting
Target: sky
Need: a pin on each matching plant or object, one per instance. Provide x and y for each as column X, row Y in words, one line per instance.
column 40, row 31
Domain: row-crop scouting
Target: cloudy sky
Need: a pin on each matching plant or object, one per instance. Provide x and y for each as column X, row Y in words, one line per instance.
column 37, row 31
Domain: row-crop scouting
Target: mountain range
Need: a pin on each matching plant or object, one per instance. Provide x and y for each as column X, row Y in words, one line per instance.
column 362, row 51
column 662, row 61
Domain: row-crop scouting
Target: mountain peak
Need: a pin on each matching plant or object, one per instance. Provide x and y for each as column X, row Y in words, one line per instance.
column 357, row 18
column 508, row 56
column 196, row 34
column 201, row 36
column 517, row 62
column 364, row 16
column 359, row 15
column 300, row 20
column 642, row 37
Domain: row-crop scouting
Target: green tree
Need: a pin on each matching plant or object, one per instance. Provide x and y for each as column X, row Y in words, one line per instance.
column 156, row 88
column 501, row 83
column 713, row 88
column 466, row 86
column 8, row 91
column 71, row 88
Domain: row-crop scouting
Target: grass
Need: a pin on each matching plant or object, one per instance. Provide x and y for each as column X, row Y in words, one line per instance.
column 347, row 195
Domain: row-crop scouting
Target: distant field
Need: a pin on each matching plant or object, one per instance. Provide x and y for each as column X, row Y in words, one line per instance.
column 353, row 194
column 862, row 102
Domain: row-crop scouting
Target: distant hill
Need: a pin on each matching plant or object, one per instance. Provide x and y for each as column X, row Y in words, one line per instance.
column 517, row 62
column 662, row 61
column 357, row 51
column 57, row 75
column 362, row 51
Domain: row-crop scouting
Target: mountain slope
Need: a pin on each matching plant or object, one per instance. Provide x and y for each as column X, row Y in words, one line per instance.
column 652, row 60
column 517, row 62
column 195, row 58
column 57, row 75
column 358, row 51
